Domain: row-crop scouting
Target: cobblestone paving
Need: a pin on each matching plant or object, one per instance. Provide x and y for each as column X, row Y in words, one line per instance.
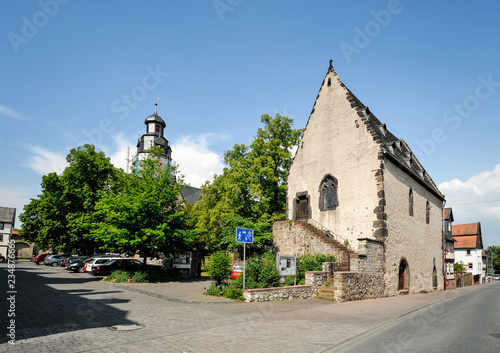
column 58, row 311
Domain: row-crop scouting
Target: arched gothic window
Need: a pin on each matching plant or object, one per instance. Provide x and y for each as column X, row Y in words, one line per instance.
column 410, row 203
column 328, row 193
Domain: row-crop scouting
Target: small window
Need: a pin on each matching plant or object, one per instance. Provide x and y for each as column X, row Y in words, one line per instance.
column 1, row 238
column 329, row 82
column 2, row 225
column 468, row 252
column 470, row 265
column 410, row 203
column 328, row 193
column 157, row 128
column 427, row 212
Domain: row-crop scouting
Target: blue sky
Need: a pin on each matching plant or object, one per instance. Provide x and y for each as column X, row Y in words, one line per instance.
column 75, row 72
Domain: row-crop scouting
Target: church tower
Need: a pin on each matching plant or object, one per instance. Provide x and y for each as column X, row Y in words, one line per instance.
column 154, row 136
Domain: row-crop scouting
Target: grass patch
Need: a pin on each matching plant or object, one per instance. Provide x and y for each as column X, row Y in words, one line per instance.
column 156, row 275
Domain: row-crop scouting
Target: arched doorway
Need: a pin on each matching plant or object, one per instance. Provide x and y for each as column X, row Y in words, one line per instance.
column 434, row 278
column 404, row 276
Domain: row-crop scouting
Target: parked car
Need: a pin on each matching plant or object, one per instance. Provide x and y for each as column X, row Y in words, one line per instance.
column 496, row 277
column 40, row 258
column 116, row 264
column 97, row 260
column 54, row 260
column 72, row 259
column 78, row 266
column 236, row 270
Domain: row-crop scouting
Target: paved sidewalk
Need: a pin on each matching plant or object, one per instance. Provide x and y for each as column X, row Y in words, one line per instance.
column 60, row 311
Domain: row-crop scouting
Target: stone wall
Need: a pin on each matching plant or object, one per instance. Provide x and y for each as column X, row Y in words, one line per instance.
column 410, row 237
column 290, row 239
column 451, row 284
column 370, row 257
column 316, row 279
column 350, row 286
column 279, row 293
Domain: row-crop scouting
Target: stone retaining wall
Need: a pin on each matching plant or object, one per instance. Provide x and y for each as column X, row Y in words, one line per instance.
column 316, row 279
column 349, row 286
column 279, row 293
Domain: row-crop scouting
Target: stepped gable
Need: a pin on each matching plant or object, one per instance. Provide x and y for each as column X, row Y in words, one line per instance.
column 392, row 147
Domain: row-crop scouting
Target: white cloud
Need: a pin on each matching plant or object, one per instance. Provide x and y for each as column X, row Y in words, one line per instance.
column 195, row 160
column 9, row 112
column 476, row 200
column 16, row 197
column 118, row 153
column 44, row 161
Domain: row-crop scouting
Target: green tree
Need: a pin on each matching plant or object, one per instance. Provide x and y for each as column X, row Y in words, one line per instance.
column 495, row 250
column 145, row 214
column 251, row 186
column 219, row 267
column 62, row 215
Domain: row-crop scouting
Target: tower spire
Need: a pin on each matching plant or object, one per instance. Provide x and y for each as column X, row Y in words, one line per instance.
column 156, row 105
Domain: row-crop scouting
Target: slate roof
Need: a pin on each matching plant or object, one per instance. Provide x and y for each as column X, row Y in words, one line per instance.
column 7, row 215
column 448, row 214
column 392, row 147
column 155, row 118
column 190, row 194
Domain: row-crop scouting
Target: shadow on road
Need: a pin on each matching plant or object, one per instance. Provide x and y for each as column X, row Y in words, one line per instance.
column 39, row 309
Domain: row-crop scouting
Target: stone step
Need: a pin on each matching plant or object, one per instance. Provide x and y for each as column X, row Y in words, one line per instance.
column 328, row 298
column 325, row 289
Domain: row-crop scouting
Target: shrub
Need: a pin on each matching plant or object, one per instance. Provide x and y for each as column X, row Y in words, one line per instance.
column 261, row 272
column 140, row 277
column 218, row 267
column 310, row 262
column 214, row 290
column 118, row 276
column 234, row 290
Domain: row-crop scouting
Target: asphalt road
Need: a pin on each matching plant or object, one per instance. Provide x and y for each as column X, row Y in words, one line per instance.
column 465, row 323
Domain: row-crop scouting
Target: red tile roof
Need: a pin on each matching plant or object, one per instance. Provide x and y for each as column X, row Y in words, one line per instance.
column 467, row 236
column 465, row 242
column 466, row 229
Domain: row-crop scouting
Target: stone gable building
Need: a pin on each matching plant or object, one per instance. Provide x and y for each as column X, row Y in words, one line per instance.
column 372, row 203
column 7, row 219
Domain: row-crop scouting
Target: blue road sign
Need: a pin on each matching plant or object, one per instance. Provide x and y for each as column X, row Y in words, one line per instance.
column 244, row 235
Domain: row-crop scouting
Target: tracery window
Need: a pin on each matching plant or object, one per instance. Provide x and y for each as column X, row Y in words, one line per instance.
column 328, row 193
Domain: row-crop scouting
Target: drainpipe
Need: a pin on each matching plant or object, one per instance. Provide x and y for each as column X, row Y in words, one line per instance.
column 443, row 230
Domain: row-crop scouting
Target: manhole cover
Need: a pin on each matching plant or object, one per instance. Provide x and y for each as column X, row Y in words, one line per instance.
column 125, row 327
column 497, row 335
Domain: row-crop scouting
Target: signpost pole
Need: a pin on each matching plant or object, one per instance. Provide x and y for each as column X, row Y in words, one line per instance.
column 244, row 263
